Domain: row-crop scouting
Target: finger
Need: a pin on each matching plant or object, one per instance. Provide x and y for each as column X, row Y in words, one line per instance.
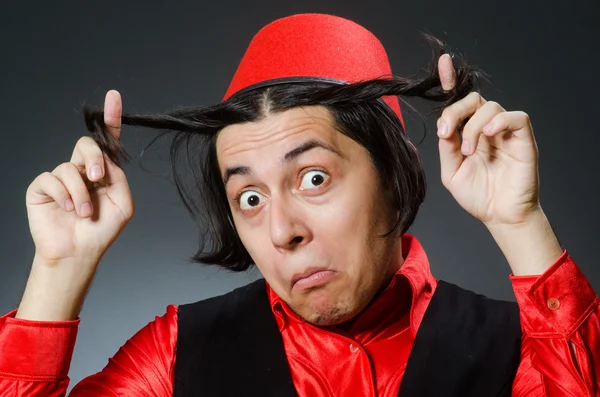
column 70, row 176
column 48, row 187
column 457, row 113
column 446, row 72
column 451, row 158
column 113, row 109
column 517, row 121
column 118, row 187
column 474, row 127
column 87, row 156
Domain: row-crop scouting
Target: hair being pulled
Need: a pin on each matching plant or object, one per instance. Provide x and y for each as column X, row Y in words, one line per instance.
column 357, row 111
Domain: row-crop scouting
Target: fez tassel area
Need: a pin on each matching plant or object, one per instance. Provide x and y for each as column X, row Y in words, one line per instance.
column 493, row 175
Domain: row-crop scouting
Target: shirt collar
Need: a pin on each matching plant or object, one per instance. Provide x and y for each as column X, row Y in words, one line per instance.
column 420, row 284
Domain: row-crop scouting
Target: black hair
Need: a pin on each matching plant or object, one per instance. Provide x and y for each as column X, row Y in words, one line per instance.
column 357, row 111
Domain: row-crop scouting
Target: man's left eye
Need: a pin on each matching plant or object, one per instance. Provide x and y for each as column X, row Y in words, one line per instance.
column 313, row 179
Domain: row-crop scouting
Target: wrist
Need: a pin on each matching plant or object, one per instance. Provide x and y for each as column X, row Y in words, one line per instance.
column 55, row 290
column 530, row 247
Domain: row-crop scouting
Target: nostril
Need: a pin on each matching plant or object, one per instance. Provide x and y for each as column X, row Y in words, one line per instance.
column 296, row 240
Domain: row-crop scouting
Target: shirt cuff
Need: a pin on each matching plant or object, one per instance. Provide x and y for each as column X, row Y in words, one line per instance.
column 36, row 350
column 556, row 302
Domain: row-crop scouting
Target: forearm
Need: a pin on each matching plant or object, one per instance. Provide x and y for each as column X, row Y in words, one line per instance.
column 55, row 291
column 531, row 247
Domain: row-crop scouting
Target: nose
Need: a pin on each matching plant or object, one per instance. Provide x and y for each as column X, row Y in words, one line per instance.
column 287, row 224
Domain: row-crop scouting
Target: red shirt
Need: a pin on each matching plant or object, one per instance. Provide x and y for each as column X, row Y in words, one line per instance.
column 559, row 309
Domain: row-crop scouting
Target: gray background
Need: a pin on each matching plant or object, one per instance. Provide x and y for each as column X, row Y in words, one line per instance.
column 158, row 54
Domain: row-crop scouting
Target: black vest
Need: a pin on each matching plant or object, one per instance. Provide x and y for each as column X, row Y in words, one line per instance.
column 230, row 346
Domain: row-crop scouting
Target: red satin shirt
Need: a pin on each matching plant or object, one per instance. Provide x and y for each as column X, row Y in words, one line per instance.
column 560, row 353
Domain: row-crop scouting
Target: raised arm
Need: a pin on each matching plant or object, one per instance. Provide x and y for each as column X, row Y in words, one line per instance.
column 491, row 169
column 75, row 213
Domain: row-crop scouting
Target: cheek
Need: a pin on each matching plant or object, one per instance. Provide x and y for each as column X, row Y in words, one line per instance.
column 253, row 239
column 349, row 216
column 343, row 230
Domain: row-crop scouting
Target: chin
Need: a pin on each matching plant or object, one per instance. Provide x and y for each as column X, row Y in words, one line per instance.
column 323, row 310
column 333, row 317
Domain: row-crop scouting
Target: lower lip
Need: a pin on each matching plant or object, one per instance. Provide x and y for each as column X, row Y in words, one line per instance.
column 314, row 280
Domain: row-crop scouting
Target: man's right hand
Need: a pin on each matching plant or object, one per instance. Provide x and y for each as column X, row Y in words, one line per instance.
column 75, row 213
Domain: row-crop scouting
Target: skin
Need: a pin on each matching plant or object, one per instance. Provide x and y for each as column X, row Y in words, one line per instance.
column 297, row 223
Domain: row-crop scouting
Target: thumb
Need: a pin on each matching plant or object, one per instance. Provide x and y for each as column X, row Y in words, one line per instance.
column 446, row 72
column 113, row 110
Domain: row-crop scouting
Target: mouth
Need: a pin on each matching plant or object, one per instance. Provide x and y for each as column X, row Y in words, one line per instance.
column 312, row 278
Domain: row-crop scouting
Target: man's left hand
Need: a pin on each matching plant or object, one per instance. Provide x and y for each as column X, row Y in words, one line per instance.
column 493, row 174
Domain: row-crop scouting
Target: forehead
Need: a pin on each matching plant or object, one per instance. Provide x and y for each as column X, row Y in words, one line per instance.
column 274, row 134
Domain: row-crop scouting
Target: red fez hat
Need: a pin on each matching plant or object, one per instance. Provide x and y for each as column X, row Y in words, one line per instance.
column 312, row 47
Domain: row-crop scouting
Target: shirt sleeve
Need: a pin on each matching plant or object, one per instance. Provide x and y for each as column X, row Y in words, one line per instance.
column 35, row 357
column 560, row 320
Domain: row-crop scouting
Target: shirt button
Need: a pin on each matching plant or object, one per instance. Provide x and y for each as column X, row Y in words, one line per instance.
column 353, row 348
column 553, row 304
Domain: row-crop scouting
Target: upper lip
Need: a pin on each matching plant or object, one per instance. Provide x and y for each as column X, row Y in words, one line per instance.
column 307, row 273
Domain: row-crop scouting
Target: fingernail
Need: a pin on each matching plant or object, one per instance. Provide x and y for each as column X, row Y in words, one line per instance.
column 85, row 209
column 96, row 172
column 442, row 130
column 466, row 148
column 69, row 204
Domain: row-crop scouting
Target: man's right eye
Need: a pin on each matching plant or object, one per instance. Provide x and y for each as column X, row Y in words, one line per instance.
column 249, row 199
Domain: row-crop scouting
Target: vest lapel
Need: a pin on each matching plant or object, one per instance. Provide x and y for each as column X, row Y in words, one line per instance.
column 467, row 345
column 235, row 349
column 260, row 357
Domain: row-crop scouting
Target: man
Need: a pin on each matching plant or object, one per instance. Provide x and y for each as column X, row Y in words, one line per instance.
column 309, row 175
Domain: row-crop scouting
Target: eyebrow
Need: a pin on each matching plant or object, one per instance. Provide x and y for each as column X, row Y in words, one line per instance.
column 286, row 159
